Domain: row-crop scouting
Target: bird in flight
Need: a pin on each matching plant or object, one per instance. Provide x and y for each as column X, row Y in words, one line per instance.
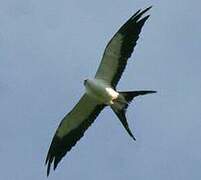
column 101, row 91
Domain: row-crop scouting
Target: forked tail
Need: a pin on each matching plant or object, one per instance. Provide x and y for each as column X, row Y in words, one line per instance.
column 120, row 106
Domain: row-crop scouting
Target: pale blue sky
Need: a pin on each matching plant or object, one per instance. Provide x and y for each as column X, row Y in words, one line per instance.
column 47, row 49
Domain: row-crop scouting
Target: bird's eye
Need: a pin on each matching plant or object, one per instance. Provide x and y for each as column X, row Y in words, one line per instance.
column 85, row 81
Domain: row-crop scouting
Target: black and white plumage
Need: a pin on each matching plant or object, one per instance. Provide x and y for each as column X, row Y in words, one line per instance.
column 100, row 91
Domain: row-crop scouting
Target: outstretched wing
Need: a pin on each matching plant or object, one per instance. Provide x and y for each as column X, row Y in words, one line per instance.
column 71, row 129
column 120, row 48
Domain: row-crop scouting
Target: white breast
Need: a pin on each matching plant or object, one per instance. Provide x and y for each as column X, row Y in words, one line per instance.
column 100, row 91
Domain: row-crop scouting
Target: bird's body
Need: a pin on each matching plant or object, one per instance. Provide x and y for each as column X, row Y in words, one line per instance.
column 100, row 91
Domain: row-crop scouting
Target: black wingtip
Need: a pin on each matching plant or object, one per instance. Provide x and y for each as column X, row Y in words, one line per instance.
column 48, row 169
column 56, row 161
column 147, row 9
column 140, row 12
column 151, row 6
column 48, row 162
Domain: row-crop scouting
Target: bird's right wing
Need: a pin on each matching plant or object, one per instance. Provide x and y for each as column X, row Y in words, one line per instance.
column 120, row 48
column 72, row 128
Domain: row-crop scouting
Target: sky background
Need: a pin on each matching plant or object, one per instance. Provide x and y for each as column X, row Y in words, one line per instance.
column 47, row 49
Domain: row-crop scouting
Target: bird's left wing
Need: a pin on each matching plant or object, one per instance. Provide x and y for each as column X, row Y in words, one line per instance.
column 120, row 48
column 72, row 128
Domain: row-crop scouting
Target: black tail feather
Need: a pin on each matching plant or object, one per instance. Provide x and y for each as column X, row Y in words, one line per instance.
column 129, row 95
column 122, row 117
column 120, row 108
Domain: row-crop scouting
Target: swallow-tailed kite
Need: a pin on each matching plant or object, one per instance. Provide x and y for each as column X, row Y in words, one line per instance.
column 100, row 91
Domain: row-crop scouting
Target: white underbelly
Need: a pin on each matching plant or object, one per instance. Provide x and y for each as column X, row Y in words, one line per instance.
column 101, row 92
